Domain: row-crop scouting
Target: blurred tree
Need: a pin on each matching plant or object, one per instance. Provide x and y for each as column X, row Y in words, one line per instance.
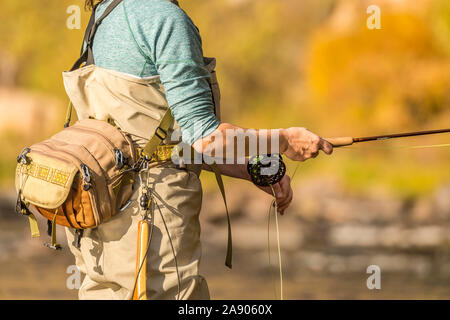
column 34, row 35
column 281, row 63
column 440, row 22
column 392, row 78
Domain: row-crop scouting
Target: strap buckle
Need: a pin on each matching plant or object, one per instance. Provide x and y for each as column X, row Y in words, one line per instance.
column 77, row 238
column 164, row 132
column 21, row 206
column 120, row 159
column 22, row 158
column 55, row 247
column 86, row 177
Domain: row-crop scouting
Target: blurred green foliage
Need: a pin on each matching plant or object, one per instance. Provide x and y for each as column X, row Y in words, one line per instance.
column 292, row 63
column 440, row 23
column 33, row 34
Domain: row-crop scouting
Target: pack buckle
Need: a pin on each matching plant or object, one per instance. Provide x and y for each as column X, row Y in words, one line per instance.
column 157, row 133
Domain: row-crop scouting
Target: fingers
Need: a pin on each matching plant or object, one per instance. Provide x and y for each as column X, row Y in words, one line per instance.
column 282, row 207
column 278, row 190
column 304, row 145
column 284, row 195
column 317, row 145
column 325, row 146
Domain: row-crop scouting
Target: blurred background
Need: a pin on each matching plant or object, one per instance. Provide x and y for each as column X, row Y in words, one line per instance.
column 280, row 63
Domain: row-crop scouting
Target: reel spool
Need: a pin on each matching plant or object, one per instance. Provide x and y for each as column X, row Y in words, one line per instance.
column 266, row 170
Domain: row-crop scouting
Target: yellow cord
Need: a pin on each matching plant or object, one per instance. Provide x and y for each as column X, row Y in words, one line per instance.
column 430, row 146
column 272, row 204
column 278, row 242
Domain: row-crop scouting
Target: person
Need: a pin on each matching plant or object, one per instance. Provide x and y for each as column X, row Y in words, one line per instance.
column 148, row 54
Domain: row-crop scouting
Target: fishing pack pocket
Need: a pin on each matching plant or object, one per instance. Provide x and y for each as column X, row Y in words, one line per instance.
column 78, row 178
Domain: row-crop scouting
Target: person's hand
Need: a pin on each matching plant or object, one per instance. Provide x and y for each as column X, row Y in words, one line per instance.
column 283, row 193
column 301, row 144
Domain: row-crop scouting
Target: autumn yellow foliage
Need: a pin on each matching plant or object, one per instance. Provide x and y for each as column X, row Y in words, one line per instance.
column 287, row 63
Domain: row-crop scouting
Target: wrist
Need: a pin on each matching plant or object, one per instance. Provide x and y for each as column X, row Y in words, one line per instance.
column 243, row 171
column 283, row 140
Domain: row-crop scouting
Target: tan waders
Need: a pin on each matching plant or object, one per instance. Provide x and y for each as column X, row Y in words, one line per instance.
column 107, row 254
column 166, row 201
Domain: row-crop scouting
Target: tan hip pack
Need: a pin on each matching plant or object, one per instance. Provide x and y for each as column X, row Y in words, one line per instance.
column 81, row 176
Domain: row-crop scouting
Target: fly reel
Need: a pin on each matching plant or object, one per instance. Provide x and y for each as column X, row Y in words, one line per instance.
column 266, row 170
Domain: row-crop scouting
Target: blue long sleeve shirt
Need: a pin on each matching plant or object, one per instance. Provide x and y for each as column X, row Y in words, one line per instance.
column 155, row 37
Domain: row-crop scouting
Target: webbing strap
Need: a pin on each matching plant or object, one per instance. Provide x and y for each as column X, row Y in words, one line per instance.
column 34, row 228
column 53, row 239
column 87, row 56
column 68, row 114
column 93, row 29
column 160, row 133
column 88, row 28
column 229, row 258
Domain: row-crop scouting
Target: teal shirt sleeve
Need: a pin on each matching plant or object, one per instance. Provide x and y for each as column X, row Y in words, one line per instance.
column 170, row 40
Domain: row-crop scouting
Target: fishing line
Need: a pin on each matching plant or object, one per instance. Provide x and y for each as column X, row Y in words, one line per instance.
column 268, row 248
column 428, row 146
column 274, row 205
column 266, row 171
column 278, row 240
column 256, row 165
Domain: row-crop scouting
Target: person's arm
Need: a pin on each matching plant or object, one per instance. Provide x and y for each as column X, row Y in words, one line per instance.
column 296, row 143
column 169, row 39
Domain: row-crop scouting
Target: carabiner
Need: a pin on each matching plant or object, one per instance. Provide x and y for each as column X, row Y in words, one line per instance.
column 86, row 177
column 120, row 159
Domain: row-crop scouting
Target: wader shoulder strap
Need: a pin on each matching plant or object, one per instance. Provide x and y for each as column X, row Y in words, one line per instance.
column 88, row 29
column 87, row 56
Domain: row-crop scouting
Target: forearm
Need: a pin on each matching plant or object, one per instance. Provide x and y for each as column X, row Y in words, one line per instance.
column 230, row 142
column 238, row 171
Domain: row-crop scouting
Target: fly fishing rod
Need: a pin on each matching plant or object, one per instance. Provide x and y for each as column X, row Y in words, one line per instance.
column 256, row 164
column 348, row 141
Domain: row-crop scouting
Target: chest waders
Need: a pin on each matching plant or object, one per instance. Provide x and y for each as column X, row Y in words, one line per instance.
column 139, row 107
column 105, row 246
